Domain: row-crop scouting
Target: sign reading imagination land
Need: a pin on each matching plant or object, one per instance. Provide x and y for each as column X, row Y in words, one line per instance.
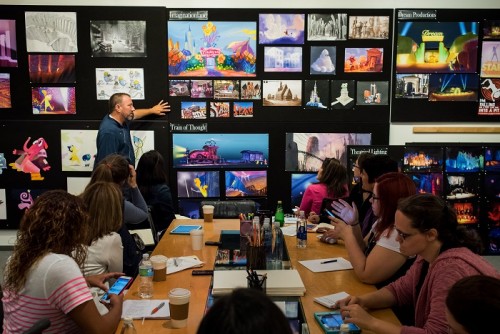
column 188, row 15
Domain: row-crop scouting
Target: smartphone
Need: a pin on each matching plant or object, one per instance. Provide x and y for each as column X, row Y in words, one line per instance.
column 121, row 284
column 331, row 214
column 330, row 322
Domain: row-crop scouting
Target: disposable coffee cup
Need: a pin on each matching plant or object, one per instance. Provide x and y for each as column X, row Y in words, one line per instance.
column 208, row 213
column 196, row 239
column 159, row 267
column 179, row 306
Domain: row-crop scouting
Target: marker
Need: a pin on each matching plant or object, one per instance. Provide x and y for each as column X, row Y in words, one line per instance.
column 158, row 307
column 329, row 261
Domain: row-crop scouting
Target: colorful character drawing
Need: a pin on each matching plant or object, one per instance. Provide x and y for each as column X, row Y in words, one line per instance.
column 26, row 200
column 74, row 154
column 32, row 159
column 202, row 189
column 138, row 146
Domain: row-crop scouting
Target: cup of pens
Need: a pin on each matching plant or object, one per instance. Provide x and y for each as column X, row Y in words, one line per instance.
column 256, row 257
column 256, row 281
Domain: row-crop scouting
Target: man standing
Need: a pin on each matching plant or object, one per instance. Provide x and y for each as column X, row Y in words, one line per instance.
column 114, row 131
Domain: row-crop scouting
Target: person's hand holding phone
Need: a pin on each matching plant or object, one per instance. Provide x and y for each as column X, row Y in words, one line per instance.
column 115, row 301
column 345, row 211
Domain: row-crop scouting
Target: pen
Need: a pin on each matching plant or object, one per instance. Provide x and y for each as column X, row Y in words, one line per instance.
column 158, row 307
column 329, row 261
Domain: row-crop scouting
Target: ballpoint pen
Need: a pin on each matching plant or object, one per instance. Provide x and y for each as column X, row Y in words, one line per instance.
column 158, row 307
column 329, row 261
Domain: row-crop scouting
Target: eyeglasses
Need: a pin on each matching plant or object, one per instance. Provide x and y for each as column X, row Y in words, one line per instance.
column 355, row 166
column 375, row 198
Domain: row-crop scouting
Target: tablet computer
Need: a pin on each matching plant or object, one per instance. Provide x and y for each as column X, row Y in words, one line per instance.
column 185, row 229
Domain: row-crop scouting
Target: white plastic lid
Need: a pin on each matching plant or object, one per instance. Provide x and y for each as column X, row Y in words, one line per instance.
column 128, row 320
column 145, row 256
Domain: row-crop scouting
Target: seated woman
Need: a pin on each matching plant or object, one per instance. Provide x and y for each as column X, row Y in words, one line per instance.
column 115, row 168
column 473, row 305
column 376, row 259
column 244, row 311
column 152, row 181
column 43, row 277
column 105, row 254
column 446, row 252
column 332, row 177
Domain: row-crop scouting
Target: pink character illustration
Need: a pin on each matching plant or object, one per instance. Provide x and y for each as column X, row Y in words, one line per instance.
column 32, row 159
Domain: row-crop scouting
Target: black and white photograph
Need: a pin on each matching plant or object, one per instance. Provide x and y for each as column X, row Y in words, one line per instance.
column 327, row 27
column 118, row 38
column 343, row 94
column 51, row 32
column 368, row 27
column 316, row 94
column 323, row 60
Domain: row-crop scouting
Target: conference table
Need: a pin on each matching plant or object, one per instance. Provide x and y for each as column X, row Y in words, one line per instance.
column 317, row 284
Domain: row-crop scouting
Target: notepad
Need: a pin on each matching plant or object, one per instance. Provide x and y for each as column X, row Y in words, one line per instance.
column 279, row 282
column 330, row 300
column 317, row 267
column 141, row 308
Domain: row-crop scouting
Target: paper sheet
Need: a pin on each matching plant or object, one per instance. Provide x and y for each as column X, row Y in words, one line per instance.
column 142, row 308
column 175, row 264
column 317, row 267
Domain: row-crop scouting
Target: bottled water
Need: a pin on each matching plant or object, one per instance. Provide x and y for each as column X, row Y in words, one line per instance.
column 268, row 242
column 128, row 326
column 302, row 230
column 146, row 277
column 276, row 247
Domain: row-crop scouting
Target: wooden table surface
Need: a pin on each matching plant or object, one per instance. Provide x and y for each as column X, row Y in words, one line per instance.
column 317, row 284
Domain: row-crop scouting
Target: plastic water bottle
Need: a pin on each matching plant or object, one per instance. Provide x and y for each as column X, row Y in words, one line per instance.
column 276, row 247
column 145, row 277
column 268, row 235
column 128, row 326
column 302, row 230
column 279, row 215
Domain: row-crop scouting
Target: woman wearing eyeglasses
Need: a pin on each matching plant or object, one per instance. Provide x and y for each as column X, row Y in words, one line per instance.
column 376, row 259
column 446, row 252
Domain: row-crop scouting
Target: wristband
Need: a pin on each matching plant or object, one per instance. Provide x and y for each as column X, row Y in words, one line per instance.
column 355, row 224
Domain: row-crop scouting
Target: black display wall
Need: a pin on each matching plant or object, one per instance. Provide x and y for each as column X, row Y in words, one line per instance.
column 463, row 68
column 18, row 122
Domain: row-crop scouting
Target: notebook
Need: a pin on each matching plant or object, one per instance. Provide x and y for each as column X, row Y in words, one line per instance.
column 141, row 308
column 330, row 300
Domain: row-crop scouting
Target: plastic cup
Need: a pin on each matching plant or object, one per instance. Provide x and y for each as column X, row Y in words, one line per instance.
column 196, row 239
column 179, row 306
column 208, row 213
column 159, row 267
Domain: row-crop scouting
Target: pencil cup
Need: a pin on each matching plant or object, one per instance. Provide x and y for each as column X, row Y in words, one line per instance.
column 179, row 306
column 256, row 257
column 257, row 282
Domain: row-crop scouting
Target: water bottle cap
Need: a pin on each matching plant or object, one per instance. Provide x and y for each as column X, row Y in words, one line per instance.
column 145, row 256
column 128, row 320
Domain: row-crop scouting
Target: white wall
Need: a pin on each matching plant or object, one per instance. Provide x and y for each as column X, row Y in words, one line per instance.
column 400, row 133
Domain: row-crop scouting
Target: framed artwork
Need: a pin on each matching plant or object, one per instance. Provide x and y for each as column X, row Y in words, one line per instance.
column 242, row 109
column 430, row 183
column 490, row 64
column 8, row 48
column 282, row 59
column 372, row 93
column 318, row 92
column 198, row 184
column 492, row 159
column 464, row 159
column 202, row 89
column 281, row 28
column 193, row 109
column 461, row 186
column 305, row 152
column 78, row 150
column 363, row 60
column 51, row 32
column 436, row 47
column 423, row 159
column 368, row 27
column 118, row 38
column 343, row 93
column 5, row 97
column 299, row 184
column 467, row 212
column 212, row 49
column 327, row 27
column 120, row 80
column 492, row 185
column 205, row 150
column 489, row 98
column 284, row 93
column 412, row 86
column 323, row 59
column 491, row 29
column 52, row 68
column 53, row 100
column 219, row 109
column 453, row 87
column 251, row 89
column 142, row 141
column 178, row 88
column 246, row 183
